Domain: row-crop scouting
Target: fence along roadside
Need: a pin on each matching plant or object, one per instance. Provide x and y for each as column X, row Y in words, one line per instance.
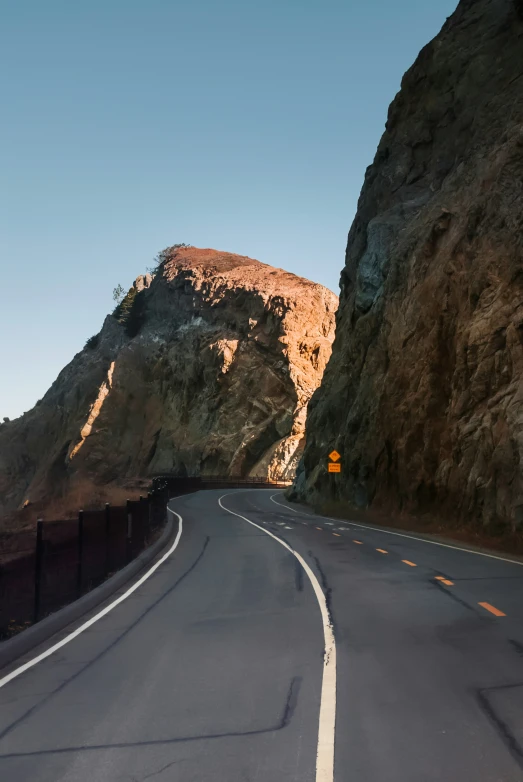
column 72, row 557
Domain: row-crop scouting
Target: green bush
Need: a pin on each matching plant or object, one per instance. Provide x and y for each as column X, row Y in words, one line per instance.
column 118, row 294
column 92, row 342
column 166, row 255
column 130, row 306
column 131, row 311
column 122, row 310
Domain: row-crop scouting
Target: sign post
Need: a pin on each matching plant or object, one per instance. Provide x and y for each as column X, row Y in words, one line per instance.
column 334, row 464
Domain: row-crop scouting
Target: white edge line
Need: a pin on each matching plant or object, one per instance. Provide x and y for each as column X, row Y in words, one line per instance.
column 435, row 543
column 284, row 506
column 327, row 718
column 403, row 535
column 99, row 615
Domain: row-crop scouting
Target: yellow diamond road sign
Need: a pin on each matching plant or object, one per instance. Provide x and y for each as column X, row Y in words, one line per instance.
column 334, row 456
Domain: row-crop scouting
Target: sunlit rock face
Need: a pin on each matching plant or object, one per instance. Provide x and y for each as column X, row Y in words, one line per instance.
column 423, row 394
column 206, row 368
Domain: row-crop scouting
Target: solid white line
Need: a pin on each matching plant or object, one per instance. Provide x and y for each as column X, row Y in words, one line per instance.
column 281, row 503
column 98, row 616
column 435, row 543
column 327, row 719
column 403, row 535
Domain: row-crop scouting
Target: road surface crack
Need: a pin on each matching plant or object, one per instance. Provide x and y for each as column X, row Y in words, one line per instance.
column 291, row 702
column 503, row 729
column 108, row 648
column 162, row 769
column 327, row 591
column 454, row 596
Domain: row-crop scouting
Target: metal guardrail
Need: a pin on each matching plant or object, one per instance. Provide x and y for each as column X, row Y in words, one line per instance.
column 72, row 557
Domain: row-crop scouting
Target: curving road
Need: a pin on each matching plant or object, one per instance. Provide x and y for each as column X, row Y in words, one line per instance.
column 213, row 668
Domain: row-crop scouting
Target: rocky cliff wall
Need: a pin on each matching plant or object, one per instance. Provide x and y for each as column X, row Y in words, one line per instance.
column 207, row 368
column 423, row 395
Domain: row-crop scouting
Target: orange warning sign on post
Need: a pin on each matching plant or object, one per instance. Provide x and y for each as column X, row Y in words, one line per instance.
column 334, row 467
column 334, row 456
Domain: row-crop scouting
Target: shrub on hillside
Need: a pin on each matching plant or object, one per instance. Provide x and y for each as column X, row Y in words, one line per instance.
column 166, row 255
column 118, row 294
column 92, row 342
column 130, row 312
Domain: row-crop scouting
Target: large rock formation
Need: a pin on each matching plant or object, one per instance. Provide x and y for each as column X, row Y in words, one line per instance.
column 423, row 395
column 206, row 368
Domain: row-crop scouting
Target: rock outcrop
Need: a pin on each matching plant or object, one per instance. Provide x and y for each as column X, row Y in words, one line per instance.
column 207, row 368
column 423, row 395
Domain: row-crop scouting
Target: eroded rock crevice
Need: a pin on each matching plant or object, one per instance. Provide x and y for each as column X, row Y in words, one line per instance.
column 94, row 412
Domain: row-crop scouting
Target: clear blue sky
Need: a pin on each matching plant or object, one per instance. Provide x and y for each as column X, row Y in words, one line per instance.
column 130, row 125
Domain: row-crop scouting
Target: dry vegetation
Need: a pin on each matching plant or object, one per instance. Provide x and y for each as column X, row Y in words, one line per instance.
column 17, row 529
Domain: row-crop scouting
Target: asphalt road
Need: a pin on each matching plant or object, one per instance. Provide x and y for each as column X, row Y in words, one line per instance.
column 214, row 668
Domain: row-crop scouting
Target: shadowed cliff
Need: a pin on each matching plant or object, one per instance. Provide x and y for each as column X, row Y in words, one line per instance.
column 423, row 395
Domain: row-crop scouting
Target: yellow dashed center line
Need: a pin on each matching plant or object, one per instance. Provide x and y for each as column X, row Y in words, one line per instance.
column 492, row 609
column 444, row 580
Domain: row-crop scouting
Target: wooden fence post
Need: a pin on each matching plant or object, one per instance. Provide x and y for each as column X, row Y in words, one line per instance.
column 38, row 567
column 107, row 548
column 129, row 538
column 149, row 514
column 79, row 571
